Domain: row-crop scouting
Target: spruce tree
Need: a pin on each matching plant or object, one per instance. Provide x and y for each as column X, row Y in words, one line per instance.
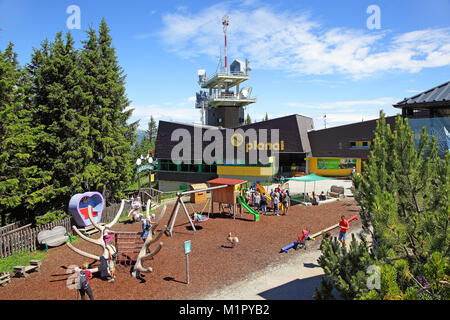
column 152, row 130
column 21, row 182
column 55, row 99
column 111, row 167
column 248, row 120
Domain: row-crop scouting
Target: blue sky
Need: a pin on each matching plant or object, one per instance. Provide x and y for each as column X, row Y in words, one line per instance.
column 312, row 58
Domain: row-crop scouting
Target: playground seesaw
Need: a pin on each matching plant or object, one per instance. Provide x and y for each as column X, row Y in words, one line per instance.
column 291, row 245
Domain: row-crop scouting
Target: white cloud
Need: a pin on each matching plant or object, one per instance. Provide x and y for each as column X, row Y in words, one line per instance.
column 346, row 111
column 339, row 105
column 179, row 112
column 295, row 43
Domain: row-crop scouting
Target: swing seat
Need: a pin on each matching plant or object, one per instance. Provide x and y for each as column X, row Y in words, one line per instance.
column 196, row 219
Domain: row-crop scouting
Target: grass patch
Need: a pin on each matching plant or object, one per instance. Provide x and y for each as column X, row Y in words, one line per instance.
column 144, row 183
column 20, row 259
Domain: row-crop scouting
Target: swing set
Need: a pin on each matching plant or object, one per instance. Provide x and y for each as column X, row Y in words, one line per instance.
column 180, row 203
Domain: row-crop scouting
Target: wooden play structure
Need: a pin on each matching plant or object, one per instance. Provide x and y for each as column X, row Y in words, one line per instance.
column 109, row 250
column 199, row 196
column 223, row 191
column 226, row 196
column 180, row 203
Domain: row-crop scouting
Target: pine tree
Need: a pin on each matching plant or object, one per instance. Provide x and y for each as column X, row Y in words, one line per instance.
column 248, row 120
column 266, row 117
column 345, row 268
column 21, row 182
column 152, row 130
column 403, row 198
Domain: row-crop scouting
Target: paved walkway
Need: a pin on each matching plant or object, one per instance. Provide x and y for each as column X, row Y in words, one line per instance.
column 297, row 187
column 295, row 280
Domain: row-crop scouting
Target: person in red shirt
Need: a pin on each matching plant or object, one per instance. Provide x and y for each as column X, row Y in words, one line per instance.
column 344, row 228
column 84, row 275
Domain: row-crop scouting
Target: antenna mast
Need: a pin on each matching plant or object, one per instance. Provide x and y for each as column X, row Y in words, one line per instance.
column 225, row 21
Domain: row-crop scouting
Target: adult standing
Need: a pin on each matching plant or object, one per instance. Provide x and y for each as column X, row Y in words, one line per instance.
column 286, row 202
column 275, row 204
column 257, row 201
column 247, row 196
column 344, row 228
column 264, row 203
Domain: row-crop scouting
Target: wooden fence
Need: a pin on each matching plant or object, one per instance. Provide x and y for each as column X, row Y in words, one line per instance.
column 145, row 194
column 110, row 212
column 24, row 238
column 13, row 226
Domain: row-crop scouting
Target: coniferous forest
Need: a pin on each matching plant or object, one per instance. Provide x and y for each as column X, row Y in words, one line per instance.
column 64, row 126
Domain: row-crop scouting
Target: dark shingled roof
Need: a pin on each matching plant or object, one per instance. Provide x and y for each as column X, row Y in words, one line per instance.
column 292, row 130
column 190, row 177
column 436, row 96
column 335, row 141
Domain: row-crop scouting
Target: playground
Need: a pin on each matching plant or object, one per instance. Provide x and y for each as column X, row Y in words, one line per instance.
column 213, row 262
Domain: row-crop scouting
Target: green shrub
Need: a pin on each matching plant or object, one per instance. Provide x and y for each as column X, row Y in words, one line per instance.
column 51, row 216
column 20, row 259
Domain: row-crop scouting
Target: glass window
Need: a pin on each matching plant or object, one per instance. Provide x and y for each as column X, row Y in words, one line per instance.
column 163, row 165
column 172, row 167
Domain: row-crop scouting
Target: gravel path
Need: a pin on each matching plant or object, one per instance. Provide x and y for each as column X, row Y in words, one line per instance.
column 294, row 279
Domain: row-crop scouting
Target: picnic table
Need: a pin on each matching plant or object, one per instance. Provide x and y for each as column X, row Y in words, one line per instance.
column 22, row 271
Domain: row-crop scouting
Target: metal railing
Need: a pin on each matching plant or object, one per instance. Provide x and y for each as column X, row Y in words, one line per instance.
column 228, row 97
column 223, row 74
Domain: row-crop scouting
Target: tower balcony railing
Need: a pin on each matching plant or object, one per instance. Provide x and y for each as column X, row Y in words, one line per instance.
column 238, row 74
column 222, row 97
column 231, row 96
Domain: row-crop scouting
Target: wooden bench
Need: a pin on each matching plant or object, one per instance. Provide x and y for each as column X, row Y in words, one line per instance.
column 5, row 278
column 22, row 271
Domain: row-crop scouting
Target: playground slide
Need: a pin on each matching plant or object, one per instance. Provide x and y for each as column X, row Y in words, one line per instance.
column 248, row 208
column 261, row 189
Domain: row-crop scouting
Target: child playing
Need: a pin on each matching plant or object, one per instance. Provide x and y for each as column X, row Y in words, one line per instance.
column 106, row 235
column 84, row 284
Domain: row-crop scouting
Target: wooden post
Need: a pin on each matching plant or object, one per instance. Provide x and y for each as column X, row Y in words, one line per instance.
column 139, row 184
column 187, row 268
column 187, row 250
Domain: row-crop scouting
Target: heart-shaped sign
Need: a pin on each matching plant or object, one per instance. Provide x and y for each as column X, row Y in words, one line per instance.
column 79, row 204
column 54, row 237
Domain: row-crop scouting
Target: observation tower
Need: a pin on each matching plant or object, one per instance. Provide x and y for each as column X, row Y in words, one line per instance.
column 222, row 101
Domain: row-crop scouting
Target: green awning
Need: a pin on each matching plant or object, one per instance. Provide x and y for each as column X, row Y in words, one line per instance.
column 309, row 178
